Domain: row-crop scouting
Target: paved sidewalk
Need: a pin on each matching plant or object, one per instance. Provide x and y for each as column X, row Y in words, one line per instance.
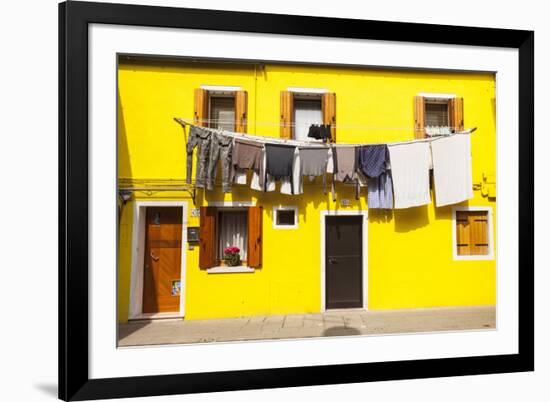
column 331, row 323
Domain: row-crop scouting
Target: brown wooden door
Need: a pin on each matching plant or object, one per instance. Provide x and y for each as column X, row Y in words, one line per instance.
column 344, row 256
column 162, row 265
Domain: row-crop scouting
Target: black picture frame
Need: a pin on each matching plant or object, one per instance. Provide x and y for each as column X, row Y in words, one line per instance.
column 74, row 381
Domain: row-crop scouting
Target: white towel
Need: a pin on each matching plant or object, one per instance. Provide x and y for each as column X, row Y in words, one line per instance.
column 452, row 163
column 255, row 182
column 410, row 170
column 330, row 161
column 286, row 186
column 240, row 176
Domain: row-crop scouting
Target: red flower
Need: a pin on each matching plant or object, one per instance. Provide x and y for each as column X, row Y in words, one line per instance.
column 231, row 250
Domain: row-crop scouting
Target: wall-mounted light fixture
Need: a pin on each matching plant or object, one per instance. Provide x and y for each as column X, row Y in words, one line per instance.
column 124, row 195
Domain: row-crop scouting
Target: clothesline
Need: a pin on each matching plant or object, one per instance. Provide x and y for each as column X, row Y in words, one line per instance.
column 294, row 124
column 397, row 175
column 309, row 144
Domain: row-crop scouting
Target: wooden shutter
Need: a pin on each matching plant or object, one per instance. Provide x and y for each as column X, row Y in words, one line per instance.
column 241, row 107
column 462, row 233
column 456, row 114
column 472, row 236
column 207, row 237
column 201, row 107
column 254, row 253
column 419, row 117
column 287, row 114
column 479, row 244
column 329, row 112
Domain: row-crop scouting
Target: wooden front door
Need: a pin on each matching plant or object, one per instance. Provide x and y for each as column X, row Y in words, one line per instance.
column 343, row 262
column 162, row 265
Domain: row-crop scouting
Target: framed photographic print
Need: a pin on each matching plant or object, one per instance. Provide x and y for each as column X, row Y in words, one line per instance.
column 258, row 200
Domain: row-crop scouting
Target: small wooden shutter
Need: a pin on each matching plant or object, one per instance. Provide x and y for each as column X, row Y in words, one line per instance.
column 462, row 233
column 419, row 117
column 241, row 107
column 479, row 244
column 287, row 114
column 329, row 112
column 201, row 107
column 254, row 252
column 207, row 237
column 456, row 114
column 472, row 233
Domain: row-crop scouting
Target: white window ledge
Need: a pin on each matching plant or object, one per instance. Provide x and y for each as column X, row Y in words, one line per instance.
column 229, row 270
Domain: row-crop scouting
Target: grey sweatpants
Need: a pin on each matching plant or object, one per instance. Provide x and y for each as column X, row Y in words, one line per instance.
column 199, row 138
column 221, row 148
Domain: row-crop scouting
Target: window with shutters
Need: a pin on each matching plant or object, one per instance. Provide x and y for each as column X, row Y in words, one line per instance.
column 232, row 231
column 472, row 233
column 221, row 107
column 437, row 114
column 222, row 227
column 300, row 109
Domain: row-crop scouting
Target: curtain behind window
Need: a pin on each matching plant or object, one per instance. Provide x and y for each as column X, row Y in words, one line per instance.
column 437, row 119
column 222, row 113
column 306, row 113
column 233, row 231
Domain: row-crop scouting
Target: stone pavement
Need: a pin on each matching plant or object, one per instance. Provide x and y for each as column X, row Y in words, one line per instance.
column 330, row 323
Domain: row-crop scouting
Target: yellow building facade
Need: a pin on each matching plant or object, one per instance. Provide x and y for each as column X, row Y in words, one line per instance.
column 409, row 257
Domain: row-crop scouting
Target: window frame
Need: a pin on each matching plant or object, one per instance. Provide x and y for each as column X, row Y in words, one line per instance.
column 202, row 105
column 306, row 97
column 288, row 110
column 437, row 98
column 219, row 95
column 217, row 269
column 490, row 228
column 219, row 212
column 278, row 208
column 455, row 112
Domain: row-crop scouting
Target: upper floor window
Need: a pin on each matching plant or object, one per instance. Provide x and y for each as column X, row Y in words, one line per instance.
column 222, row 112
column 302, row 107
column 221, row 107
column 307, row 111
column 437, row 117
column 437, row 114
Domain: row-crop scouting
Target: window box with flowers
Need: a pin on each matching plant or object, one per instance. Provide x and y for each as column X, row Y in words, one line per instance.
column 231, row 256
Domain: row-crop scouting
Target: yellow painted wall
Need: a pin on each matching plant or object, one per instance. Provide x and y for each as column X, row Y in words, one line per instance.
column 410, row 259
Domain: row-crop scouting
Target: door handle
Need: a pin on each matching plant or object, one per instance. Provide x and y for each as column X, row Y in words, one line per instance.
column 154, row 257
column 331, row 260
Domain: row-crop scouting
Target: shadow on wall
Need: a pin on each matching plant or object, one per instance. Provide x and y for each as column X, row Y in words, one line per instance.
column 124, row 167
column 405, row 220
column 380, row 215
column 410, row 219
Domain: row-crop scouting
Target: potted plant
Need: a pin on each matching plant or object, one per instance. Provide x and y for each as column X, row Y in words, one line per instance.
column 231, row 256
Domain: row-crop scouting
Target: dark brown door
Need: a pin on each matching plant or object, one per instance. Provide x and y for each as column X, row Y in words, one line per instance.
column 162, row 268
column 344, row 271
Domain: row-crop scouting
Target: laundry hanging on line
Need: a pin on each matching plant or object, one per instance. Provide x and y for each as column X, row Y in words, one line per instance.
column 396, row 174
column 374, row 162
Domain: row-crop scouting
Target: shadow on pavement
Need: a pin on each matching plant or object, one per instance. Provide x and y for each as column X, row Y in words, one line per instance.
column 341, row 331
column 128, row 329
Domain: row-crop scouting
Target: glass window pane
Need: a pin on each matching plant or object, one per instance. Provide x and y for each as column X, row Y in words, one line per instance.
column 222, row 113
column 285, row 217
column 233, row 231
column 306, row 113
column 437, row 114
